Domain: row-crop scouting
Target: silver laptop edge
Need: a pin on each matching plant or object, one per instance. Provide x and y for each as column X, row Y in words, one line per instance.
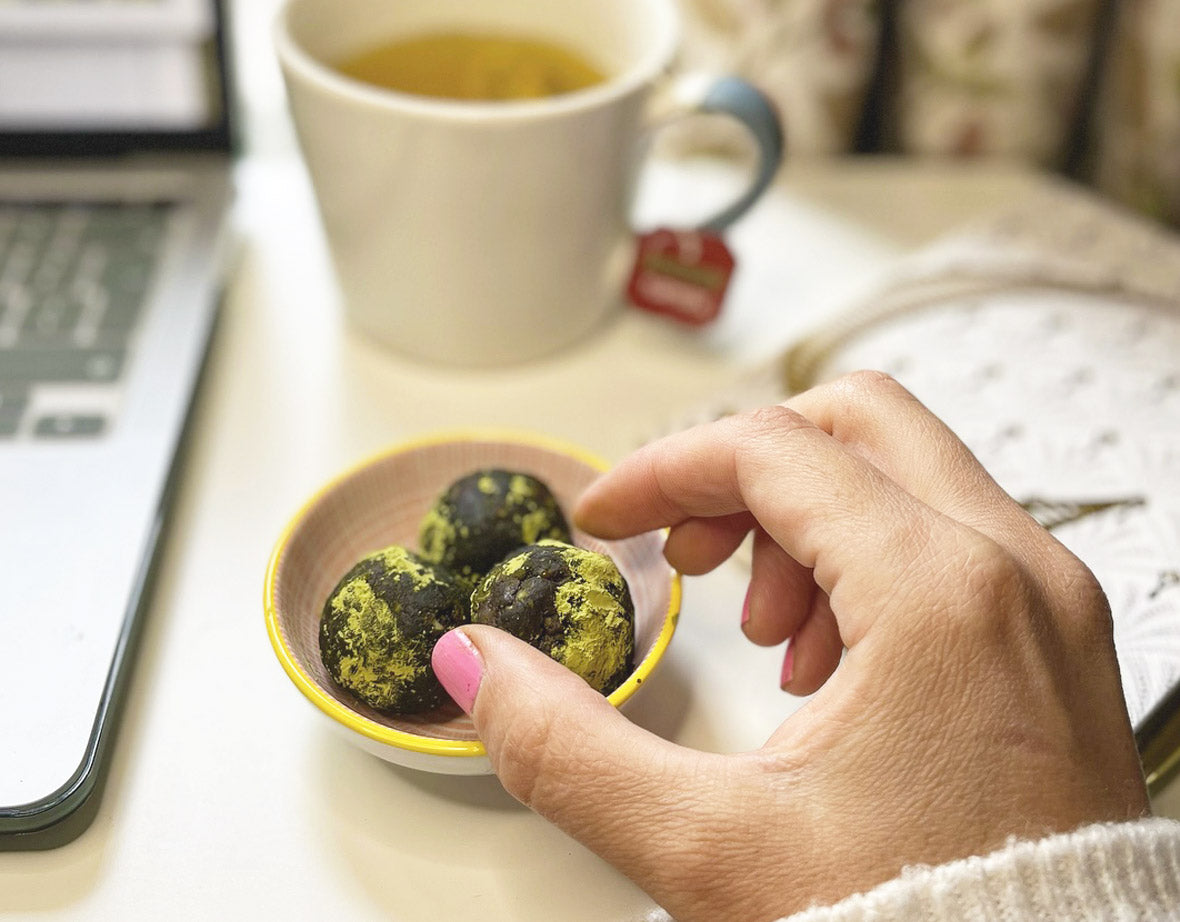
column 73, row 600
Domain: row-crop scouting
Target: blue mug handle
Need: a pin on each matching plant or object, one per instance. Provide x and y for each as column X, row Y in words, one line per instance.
column 740, row 100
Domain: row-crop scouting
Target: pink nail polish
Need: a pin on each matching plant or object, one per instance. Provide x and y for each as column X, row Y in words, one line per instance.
column 788, row 666
column 458, row 666
column 746, row 609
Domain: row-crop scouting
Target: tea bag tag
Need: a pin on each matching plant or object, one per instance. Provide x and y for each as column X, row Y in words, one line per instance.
column 682, row 274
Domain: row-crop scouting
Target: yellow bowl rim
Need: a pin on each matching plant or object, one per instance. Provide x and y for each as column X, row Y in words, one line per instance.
column 400, row 738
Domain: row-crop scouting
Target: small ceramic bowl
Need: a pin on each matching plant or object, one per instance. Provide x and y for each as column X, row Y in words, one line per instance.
column 381, row 502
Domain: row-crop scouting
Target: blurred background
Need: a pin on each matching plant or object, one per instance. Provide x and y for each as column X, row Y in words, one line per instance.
column 1088, row 88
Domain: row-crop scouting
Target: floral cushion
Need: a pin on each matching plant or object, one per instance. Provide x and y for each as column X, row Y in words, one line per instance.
column 1137, row 131
column 965, row 78
column 814, row 58
column 991, row 76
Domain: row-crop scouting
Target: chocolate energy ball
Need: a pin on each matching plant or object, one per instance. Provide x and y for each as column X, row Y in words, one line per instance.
column 568, row 602
column 483, row 517
column 380, row 624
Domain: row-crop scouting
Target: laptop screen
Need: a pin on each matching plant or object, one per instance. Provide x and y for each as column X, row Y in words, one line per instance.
column 85, row 77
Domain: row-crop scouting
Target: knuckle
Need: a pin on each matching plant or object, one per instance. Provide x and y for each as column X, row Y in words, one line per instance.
column 765, row 428
column 868, row 383
column 535, row 755
column 772, row 420
column 765, row 431
column 518, row 752
column 1060, row 598
column 992, row 574
column 996, row 590
column 1084, row 612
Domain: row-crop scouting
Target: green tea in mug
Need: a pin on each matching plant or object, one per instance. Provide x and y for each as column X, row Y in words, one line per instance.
column 476, row 67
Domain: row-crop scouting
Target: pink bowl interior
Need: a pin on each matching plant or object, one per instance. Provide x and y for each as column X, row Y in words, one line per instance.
column 383, row 502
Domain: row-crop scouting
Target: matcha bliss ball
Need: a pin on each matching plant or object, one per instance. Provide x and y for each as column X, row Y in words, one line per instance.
column 486, row 515
column 379, row 625
column 568, row 602
column 494, row 548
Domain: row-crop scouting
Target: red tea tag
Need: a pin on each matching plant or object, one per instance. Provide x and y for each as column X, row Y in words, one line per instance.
column 683, row 274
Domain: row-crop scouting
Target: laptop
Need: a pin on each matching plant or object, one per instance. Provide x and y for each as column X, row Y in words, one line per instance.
column 115, row 149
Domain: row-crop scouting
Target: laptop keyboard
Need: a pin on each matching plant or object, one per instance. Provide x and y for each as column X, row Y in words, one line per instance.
column 73, row 281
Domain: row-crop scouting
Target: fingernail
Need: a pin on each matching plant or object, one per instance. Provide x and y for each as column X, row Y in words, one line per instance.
column 788, row 666
column 458, row 666
column 746, row 609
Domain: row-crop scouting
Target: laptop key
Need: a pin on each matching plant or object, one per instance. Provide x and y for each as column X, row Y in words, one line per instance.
column 122, row 312
column 129, row 274
column 61, row 366
column 51, row 319
column 69, row 425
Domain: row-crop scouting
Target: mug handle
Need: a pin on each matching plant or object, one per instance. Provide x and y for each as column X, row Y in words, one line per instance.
column 693, row 94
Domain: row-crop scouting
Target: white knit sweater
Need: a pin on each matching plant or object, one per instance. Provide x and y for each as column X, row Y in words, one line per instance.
column 1111, row 871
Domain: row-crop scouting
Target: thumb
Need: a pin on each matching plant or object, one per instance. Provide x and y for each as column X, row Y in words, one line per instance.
column 563, row 750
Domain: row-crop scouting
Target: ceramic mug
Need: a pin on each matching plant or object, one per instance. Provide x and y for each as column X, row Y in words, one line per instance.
column 488, row 233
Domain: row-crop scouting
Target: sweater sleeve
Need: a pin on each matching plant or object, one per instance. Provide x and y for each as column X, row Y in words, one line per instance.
column 1101, row 872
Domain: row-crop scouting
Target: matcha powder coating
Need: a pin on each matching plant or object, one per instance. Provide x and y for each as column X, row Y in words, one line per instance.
column 570, row 603
column 483, row 517
column 380, row 624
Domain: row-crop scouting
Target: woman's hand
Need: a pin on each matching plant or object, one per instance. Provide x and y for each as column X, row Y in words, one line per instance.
column 977, row 695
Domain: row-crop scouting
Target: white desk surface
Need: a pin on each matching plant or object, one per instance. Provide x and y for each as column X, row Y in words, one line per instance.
column 226, row 799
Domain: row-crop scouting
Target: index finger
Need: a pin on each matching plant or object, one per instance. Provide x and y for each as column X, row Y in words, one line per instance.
column 826, row 506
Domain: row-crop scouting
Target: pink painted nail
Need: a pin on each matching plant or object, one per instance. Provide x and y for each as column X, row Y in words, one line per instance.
column 788, row 665
column 746, row 609
column 458, row 666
